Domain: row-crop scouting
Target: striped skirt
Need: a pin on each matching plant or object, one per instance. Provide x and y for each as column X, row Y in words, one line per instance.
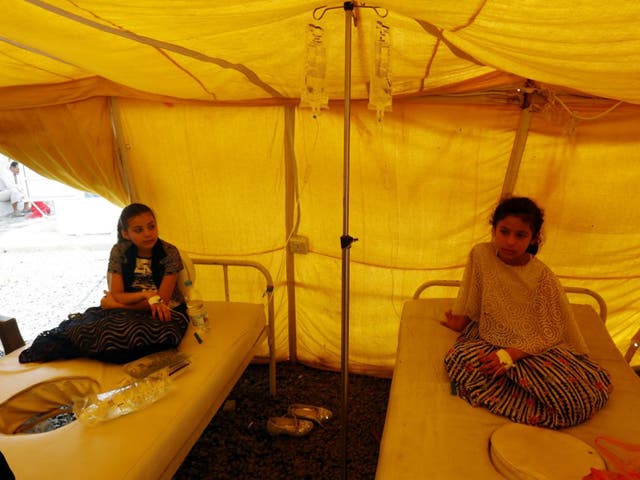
column 553, row 389
column 115, row 336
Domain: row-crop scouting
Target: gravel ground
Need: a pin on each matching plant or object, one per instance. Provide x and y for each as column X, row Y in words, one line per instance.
column 45, row 275
column 236, row 444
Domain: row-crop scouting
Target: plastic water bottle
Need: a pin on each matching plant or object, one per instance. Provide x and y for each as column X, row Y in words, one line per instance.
column 100, row 407
column 195, row 307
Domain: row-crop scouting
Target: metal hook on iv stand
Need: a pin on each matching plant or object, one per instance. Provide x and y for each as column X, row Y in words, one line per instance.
column 319, row 12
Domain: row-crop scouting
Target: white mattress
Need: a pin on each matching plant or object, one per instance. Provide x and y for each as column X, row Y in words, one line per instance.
column 430, row 433
column 150, row 443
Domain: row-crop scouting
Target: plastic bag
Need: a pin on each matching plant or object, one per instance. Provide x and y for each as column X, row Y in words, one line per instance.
column 623, row 460
column 96, row 408
column 172, row 360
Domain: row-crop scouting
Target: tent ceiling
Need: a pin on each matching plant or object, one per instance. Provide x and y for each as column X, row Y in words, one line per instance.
column 253, row 51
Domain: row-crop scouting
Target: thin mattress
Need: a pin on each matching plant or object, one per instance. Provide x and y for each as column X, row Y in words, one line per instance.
column 150, row 443
column 431, row 433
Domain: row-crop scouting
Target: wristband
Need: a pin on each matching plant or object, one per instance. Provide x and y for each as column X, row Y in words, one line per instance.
column 155, row 299
column 505, row 359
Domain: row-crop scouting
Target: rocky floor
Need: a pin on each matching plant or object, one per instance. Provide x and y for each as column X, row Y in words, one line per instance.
column 236, row 444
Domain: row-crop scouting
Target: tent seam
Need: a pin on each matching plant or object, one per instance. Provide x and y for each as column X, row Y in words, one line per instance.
column 248, row 73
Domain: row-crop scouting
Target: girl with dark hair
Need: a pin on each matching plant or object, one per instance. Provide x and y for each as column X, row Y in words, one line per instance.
column 143, row 268
column 144, row 310
column 520, row 353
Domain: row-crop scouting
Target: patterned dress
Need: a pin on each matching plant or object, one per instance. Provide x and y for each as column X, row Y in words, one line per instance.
column 119, row 335
column 523, row 307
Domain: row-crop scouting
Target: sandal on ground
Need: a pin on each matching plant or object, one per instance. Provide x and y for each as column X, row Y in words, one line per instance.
column 288, row 426
column 310, row 412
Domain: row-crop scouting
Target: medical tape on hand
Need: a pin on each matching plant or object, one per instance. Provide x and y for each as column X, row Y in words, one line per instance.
column 155, row 299
column 505, row 358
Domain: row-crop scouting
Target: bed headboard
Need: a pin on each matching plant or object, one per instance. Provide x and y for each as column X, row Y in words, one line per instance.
column 602, row 306
column 225, row 264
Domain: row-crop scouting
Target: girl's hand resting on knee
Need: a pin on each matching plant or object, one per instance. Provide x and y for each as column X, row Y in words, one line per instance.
column 456, row 323
column 108, row 302
column 160, row 311
column 491, row 365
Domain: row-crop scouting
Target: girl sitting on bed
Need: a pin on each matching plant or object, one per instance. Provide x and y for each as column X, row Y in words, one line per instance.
column 143, row 312
column 144, row 269
column 520, row 353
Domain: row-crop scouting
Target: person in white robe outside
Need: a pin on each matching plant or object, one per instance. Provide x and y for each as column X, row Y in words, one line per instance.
column 10, row 190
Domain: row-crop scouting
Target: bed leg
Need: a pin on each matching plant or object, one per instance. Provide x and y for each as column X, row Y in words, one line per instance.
column 271, row 337
column 272, row 364
column 272, row 377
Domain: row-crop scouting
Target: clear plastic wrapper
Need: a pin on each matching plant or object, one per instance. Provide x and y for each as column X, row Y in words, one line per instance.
column 100, row 407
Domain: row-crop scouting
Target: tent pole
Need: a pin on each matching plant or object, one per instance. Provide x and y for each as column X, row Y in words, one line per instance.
column 290, row 202
column 346, row 240
column 122, row 150
column 511, row 175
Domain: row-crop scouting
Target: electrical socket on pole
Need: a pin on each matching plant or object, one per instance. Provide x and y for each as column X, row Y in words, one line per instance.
column 299, row 244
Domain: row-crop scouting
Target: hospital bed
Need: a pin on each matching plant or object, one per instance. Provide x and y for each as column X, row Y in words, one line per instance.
column 150, row 443
column 431, row 433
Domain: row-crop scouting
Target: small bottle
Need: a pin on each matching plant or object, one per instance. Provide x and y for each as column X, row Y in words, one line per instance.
column 100, row 407
column 195, row 307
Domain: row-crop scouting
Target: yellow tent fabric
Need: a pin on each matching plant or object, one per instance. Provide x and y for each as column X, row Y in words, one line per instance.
column 195, row 109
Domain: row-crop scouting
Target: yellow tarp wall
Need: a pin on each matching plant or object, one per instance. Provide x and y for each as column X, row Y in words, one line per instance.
column 423, row 184
column 194, row 108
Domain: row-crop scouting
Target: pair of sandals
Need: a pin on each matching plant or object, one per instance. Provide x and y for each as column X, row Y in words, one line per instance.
column 299, row 420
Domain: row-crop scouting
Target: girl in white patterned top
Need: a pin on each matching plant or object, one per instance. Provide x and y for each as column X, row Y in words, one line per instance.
column 520, row 353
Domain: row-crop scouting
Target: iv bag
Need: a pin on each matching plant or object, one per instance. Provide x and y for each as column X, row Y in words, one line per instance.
column 315, row 71
column 380, row 76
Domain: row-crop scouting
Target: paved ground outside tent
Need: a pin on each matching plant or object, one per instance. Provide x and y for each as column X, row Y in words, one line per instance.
column 46, row 275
